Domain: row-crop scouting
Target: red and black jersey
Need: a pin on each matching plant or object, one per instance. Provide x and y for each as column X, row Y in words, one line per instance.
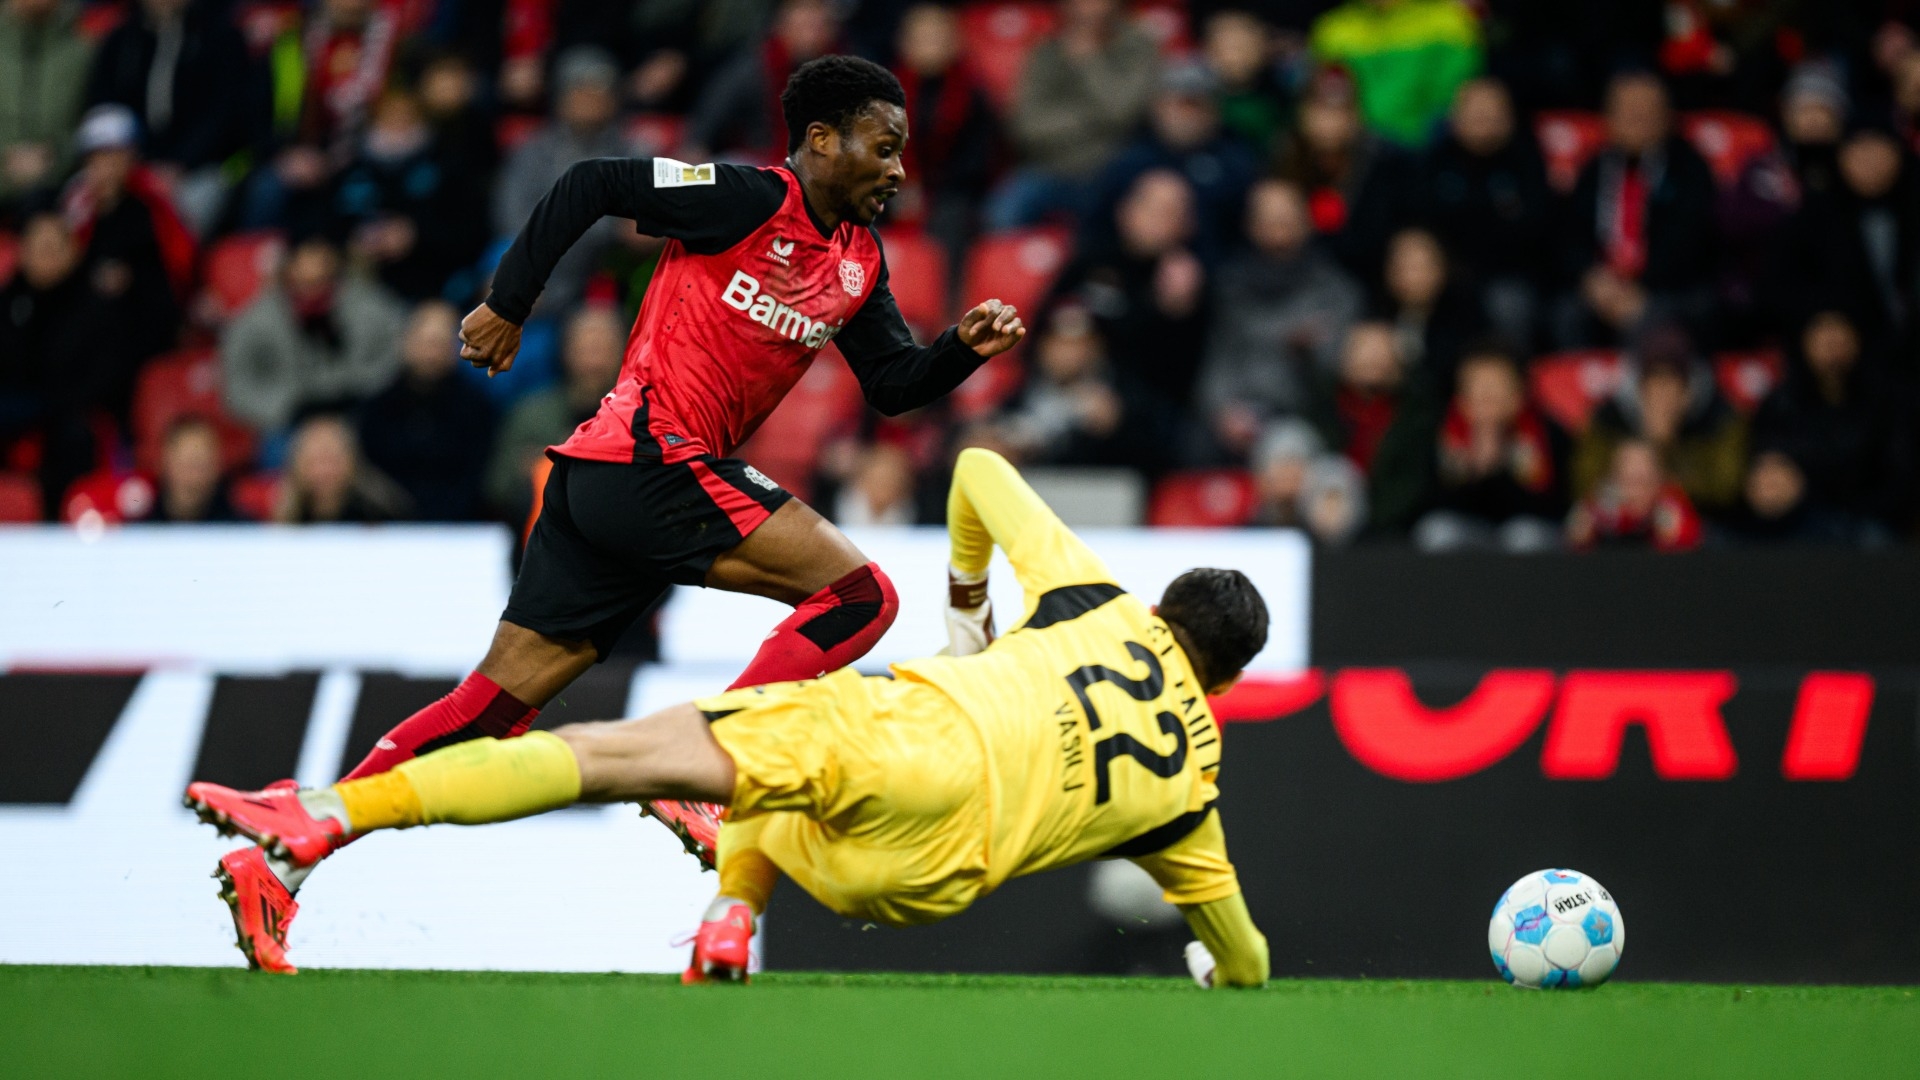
column 748, row 290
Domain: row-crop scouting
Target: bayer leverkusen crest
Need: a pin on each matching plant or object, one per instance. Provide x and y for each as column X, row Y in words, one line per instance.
column 852, row 277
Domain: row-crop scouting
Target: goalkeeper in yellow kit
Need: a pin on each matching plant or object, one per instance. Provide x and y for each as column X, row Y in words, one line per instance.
column 1084, row 733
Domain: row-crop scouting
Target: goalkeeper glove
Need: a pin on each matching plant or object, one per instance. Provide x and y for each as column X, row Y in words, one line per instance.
column 1200, row 964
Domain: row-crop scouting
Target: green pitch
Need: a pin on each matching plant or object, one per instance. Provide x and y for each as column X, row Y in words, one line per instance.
column 211, row 1024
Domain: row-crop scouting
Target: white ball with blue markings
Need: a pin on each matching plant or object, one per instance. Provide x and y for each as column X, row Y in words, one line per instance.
column 1556, row 930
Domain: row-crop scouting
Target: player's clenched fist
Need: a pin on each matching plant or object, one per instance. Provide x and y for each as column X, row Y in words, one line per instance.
column 488, row 341
column 991, row 328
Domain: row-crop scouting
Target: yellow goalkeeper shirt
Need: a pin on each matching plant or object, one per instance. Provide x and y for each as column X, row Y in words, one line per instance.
column 1098, row 737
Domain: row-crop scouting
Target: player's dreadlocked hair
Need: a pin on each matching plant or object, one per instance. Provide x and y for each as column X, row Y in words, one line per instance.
column 834, row 90
column 1222, row 617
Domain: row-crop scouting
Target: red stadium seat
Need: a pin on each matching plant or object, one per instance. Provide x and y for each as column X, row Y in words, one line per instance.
column 236, row 268
column 185, row 383
column 1568, row 386
column 107, row 498
column 1017, row 266
column 515, row 128
column 255, row 494
column 825, row 403
column 917, row 274
column 9, row 257
column 1746, row 378
column 1569, row 138
column 997, row 38
column 98, row 20
column 1206, row 498
column 1728, row 140
column 19, row 499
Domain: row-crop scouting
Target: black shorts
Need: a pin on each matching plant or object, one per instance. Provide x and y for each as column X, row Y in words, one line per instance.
column 612, row 537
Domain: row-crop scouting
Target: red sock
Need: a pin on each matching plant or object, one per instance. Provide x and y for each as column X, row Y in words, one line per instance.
column 829, row 630
column 476, row 707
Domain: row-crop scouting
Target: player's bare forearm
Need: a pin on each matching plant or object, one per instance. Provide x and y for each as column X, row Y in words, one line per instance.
column 991, row 328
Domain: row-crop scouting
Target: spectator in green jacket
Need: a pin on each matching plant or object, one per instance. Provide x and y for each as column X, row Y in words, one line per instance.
column 1408, row 57
column 43, row 82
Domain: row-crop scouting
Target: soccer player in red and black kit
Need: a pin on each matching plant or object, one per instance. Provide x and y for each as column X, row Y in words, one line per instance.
column 761, row 269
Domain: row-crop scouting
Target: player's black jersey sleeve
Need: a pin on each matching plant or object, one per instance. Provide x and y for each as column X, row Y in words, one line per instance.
column 709, row 208
column 895, row 374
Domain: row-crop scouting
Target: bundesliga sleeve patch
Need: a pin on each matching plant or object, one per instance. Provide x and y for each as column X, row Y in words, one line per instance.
column 668, row 173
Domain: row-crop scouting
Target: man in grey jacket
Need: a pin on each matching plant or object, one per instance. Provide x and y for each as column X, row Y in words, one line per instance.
column 1281, row 311
column 316, row 340
column 1081, row 94
column 585, row 125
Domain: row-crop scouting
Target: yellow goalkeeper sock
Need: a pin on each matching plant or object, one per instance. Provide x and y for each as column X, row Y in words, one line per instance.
column 473, row 783
column 381, row 801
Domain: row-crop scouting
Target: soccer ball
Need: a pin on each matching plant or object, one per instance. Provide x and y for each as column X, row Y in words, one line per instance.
column 1556, row 930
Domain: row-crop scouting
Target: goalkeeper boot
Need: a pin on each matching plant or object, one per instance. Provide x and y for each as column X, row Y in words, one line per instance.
column 262, row 909
column 697, row 824
column 722, row 946
column 277, row 819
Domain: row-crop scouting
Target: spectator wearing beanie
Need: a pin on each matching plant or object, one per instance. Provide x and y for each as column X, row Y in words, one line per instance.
column 738, row 113
column 175, row 63
column 585, row 125
column 135, row 243
column 1184, row 134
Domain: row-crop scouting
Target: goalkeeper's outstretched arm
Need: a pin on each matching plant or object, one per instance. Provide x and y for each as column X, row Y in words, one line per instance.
column 1196, row 876
column 989, row 505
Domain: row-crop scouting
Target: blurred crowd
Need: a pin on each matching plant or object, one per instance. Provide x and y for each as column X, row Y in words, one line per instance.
column 1497, row 275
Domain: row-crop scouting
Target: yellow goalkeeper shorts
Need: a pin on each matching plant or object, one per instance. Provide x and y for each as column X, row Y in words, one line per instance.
column 874, row 790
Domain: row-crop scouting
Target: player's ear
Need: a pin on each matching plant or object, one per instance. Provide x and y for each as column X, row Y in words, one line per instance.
column 823, row 138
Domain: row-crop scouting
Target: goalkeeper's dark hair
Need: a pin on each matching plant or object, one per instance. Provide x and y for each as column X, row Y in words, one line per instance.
column 835, row 90
column 1221, row 618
